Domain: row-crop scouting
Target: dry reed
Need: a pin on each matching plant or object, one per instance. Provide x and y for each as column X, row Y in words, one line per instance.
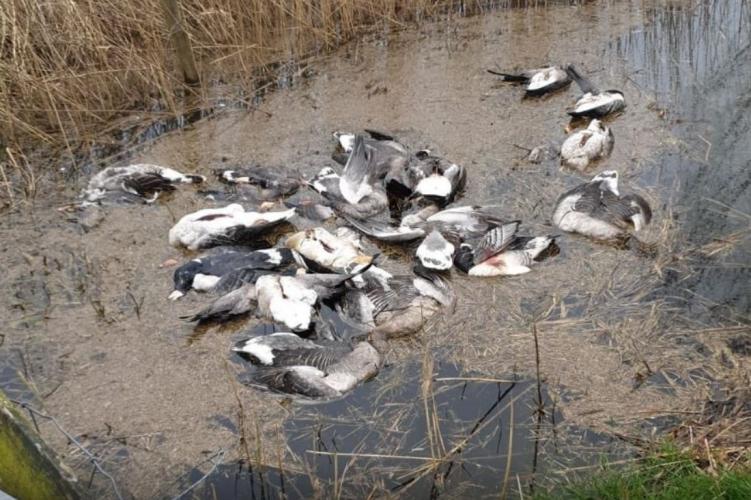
column 70, row 69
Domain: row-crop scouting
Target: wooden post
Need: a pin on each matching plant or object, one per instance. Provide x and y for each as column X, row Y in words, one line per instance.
column 185, row 61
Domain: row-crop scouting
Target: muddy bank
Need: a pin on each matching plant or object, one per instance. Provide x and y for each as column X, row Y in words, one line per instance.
column 626, row 344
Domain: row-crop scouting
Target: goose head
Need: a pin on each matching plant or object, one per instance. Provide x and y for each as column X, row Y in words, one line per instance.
column 609, row 180
column 183, row 278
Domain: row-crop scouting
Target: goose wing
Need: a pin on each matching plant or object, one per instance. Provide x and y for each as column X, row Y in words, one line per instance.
column 620, row 211
column 355, row 180
column 584, row 83
column 305, row 381
column 385, row 232
column 234, row 303
column 238, row 278
column 146, row 183
column 495, row 241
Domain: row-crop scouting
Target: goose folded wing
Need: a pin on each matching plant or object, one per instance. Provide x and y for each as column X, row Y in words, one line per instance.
column 384, row 231
column 495, row 241
column 615, row 210
column 355, row 180
column 301, row 380
column 236, row 302
column 144, row 184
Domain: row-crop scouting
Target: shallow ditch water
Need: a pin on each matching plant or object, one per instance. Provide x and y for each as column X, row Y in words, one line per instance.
column 626, row 343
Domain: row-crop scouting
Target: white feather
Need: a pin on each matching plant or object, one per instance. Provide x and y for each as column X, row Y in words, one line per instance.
column 434, row 185
column 437, row 257
column 295, row 290
column 274, row 256
column 294, row 314
column 204, row 282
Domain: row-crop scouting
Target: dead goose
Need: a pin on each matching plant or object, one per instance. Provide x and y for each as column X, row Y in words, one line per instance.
column 275, row 182
column 395, row 306
column 538, row 81
column 582, row 147
column 223, row 226
column 311, row 369
column 468, row 221
column 594, row 103
column 327, row 184
column 515, row 257
column 331, row 252
column 596, row 209
column 288, row 300
column 142, row 180
column 385, row 232
column 204, row 273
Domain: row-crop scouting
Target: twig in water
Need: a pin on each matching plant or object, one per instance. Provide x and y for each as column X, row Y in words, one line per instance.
column 540, row 404
column 219, row 455
column 709, row 147
column 73, row 440
column 509, row 452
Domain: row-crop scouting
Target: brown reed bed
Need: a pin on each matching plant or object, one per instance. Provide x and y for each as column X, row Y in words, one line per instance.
column 75, row 74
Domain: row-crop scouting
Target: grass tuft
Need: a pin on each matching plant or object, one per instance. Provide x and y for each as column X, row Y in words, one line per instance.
column 664, row 475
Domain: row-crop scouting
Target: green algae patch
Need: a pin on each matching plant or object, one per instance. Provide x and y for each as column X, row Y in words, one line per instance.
column 27, row 468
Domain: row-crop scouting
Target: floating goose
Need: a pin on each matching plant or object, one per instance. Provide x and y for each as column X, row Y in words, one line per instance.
column 593, row 143
column 204, row 273
column 594, row 103
column 516, row 256
column 436, row 252
column 311, row 369
column 274, row 182
column 328, row 251
column 142, row 180
column 223, row 226
column 538, row 81
column 596, row 209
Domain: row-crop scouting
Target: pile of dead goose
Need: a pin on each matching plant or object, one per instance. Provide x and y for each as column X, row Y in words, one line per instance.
column 337, row 307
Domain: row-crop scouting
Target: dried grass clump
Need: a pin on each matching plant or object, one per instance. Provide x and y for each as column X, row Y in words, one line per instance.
column 68, row 69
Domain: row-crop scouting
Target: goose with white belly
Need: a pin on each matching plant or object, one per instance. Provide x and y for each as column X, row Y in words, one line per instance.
column 398, row 305
column 501, row 252
column 594, row 103
column 597, row 209
column 340, row 253
column 538, row 81
column 311, row 369
column 205, row 273
column 288, row 300
column 273, row 182
column 230, row 225
column 143, row 181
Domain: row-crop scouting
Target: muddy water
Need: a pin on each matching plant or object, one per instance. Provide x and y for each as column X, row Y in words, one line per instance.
column 625, row 343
